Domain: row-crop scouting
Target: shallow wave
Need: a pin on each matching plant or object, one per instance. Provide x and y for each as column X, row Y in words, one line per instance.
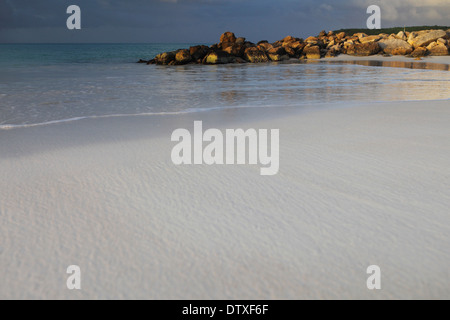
column 190, row 111
column 187, row 111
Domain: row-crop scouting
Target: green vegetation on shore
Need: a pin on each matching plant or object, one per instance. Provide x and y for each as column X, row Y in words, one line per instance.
column 390, row 30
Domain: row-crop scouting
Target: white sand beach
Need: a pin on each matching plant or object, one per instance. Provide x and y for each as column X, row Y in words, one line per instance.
column 358, row 186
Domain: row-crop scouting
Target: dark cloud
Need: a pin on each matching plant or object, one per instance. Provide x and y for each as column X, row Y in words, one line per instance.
column 200, row 20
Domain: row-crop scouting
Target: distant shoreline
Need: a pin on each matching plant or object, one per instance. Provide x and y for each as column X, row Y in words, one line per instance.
column 231, row 49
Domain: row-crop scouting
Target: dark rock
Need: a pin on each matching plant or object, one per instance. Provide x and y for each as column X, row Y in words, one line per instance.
column 297, row 45
column 312, row 52
column 289, row 39
column 240, row 40
column 142, row 61
column 183, row 57
column 341, row 36
column 265, row 46
column 312, row 40
column 331, row 54
column 215, row 47
column 249, row 44
column 278, row 54
column 217, row 57
column 364, row 49
column 198, row 52
column 255, row 55
column 227, row 40
column 165, row 58
column 236, row 50
column 240, row 60
column 228, row 37
column 289, row 51
column 277, row 44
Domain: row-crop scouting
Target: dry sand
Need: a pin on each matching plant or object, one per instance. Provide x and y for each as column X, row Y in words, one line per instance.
column 358, row 185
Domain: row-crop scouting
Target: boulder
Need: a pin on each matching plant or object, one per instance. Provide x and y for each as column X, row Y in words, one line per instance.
column 278, row 54
column 240, row 40
column 183, row 57
column 227, row 40
column 331, row 54
column 364, row 49
column 214, row 47
column 236, row 50
column 249, row 44
column 312, row 52
column 217, row 57
column 297, row 46
column 400, row 52
column 341, row 35
column 165, row 58
column 289, row 39
column 265, row 46
column 291, row 52
column 437, row 49
column 370, row 39
column 142, row 61
column 360, row 35
column 401, row 35
column 228, row 37
column 441, row 40
column 424, row 38
column 277, row 44
column 395, row 46
column 336, row 49
column 311, row 40
column 411, row 36
column 419, row 52
column 255, row 55
column 198, row 52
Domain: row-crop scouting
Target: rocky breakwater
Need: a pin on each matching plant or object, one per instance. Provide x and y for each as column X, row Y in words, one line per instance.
column 231, row 49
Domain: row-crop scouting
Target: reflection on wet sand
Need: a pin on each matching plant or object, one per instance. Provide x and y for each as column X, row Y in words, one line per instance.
column 323, row 81
column 394, row 64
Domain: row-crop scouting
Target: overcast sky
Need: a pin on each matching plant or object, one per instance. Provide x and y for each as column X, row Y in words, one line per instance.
column 202, row 21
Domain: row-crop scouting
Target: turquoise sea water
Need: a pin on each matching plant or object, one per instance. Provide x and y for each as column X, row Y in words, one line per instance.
column 59, row 82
